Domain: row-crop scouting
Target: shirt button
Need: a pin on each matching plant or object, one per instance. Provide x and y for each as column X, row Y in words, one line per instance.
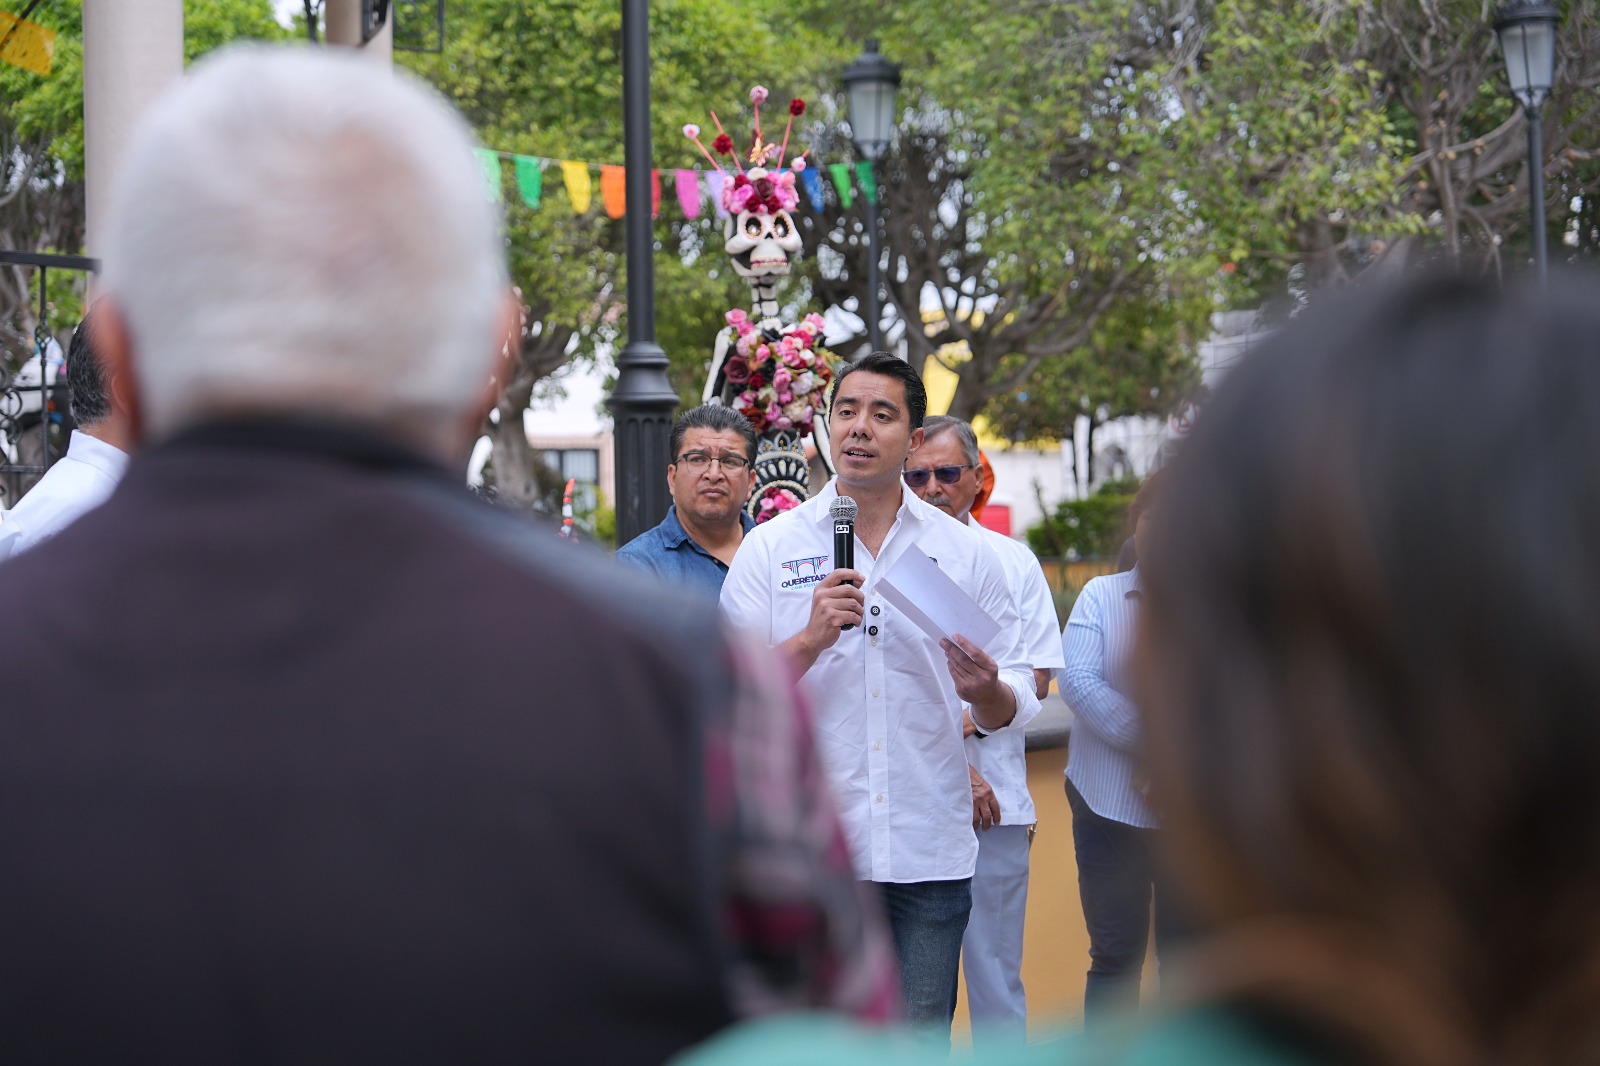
column 874, row 692
column 873, row 630
column 880, row 797
column 877, row 745
column 876, row 610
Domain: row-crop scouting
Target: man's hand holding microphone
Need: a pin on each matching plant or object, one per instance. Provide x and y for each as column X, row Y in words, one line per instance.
column 837, row 603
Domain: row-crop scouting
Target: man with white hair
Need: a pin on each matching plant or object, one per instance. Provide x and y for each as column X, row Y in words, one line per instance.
column 945, row 471
column 316, row 757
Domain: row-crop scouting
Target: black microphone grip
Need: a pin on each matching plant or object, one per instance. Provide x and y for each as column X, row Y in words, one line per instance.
column 844, row 551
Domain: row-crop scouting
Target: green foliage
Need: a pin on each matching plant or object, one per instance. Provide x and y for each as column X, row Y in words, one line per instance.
column 601, row 525
column 692, row 295
column 1138, row 361
column 546, row 80
column 42, row 154
column 49, row 110
column 1081, row 184
column 1091, row 528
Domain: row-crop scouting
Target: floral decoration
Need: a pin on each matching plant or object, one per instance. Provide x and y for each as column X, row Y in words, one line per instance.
column 774, row 501
column 758, row 191
column 782, row 383
column 769, row 185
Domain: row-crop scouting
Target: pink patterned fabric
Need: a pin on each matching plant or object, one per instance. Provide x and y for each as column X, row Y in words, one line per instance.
column 804, row 933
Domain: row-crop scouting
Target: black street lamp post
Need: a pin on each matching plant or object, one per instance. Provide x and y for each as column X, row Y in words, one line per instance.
column 643, row 401
column 1527, row 30
column 871, row 83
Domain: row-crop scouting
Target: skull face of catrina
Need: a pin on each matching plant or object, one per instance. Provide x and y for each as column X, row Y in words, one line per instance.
column 761, row 244
column 760, row 234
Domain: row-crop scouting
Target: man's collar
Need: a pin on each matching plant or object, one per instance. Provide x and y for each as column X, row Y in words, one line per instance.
column 1136, row 584
column 672, row 530
column 356, row 445
column 676, row 536
column 91, row 450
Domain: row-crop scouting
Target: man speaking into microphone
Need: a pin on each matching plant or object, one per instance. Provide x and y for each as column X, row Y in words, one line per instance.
column 888, row 698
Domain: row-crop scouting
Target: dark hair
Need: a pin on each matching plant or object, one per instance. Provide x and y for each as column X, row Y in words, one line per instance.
column 86, row 377
column 934, row 425
column 1371, row 672
column 713, row 416
column 891, row 366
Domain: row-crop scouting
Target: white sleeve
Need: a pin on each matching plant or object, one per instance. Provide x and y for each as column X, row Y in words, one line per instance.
column 1098, row 707
column 993, row 596
column 1038, row 607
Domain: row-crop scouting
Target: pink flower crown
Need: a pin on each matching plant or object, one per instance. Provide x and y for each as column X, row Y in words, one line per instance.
column 757, row 189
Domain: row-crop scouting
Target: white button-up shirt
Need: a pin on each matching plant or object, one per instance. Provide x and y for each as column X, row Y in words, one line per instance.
column 79, row 482
column 888, row 719
column 1002, row 758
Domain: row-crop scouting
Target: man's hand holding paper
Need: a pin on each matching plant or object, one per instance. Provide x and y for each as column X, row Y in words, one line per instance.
column 944, row 611
column 977, row 676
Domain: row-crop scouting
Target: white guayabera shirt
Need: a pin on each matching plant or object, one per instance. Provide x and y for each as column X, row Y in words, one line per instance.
column 888, row 720
column 1002, row 758
column 78, row 483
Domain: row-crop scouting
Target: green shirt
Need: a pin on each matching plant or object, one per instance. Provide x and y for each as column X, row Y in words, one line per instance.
column 1200, row 1038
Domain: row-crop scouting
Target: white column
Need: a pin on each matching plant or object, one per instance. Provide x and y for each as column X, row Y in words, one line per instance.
column 132, row 49
column 341, row 21
column 381, row 47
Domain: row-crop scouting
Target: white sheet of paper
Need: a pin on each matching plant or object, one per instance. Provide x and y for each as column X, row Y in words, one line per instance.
column 939, row 607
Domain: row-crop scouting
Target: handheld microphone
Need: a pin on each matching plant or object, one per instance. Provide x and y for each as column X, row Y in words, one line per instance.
column 843, row 511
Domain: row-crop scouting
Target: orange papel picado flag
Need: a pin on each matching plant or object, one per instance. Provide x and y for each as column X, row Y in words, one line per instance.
column 614, row 189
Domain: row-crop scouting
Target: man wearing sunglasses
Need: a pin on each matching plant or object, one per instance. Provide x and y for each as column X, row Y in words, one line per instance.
column 712, row 448
column 888, row 698
column 945, row 471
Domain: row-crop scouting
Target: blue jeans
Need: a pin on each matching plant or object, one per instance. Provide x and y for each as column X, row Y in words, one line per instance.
column 927, row 920
column 1117, row 883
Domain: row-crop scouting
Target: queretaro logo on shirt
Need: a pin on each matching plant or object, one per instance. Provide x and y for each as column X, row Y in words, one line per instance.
column 807, row 571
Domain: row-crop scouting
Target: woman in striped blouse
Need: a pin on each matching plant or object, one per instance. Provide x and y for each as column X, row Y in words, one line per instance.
column 1113, row 827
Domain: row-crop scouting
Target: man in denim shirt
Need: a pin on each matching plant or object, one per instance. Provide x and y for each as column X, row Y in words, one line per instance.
column 710, row 476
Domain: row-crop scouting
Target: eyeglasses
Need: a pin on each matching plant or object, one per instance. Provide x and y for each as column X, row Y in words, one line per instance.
column 699, row 462
column 947, row 475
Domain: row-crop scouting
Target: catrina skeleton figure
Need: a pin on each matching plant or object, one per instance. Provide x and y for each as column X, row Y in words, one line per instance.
column 775, row 373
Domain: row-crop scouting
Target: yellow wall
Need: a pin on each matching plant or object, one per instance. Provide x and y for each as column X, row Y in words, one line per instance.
column 1055, row 950
column 940, row 382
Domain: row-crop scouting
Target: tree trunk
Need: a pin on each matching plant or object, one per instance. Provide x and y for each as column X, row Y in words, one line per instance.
column 516, row 466
column 1088, row 457
column 969, row 399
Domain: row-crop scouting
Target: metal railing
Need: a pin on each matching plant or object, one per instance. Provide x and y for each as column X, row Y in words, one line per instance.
column 25, row 404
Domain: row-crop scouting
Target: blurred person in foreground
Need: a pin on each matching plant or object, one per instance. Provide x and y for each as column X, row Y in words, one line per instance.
column 947, row 471
column 713, row 450
column 319, row 758
column 97, row 452
column 1370, row 675
column 1113, row 824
